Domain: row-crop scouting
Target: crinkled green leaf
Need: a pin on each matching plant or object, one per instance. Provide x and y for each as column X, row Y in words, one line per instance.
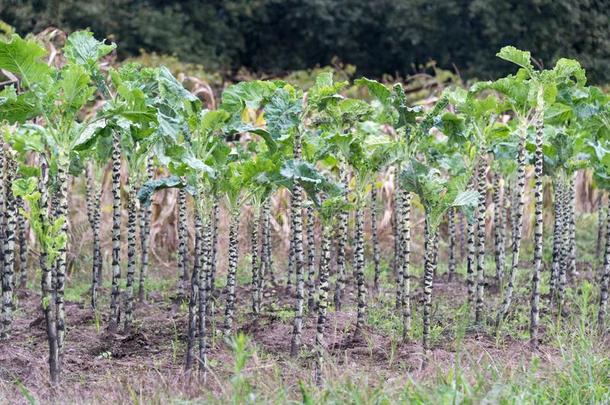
column 376, row 89
column 16, row 108
column 151, row 186
column 83, row 49
column 282, row 114
column 246, row 94
column 25, row 59
column 516, row 56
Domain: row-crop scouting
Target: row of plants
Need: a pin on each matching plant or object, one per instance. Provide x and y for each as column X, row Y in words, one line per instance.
column 326, row 148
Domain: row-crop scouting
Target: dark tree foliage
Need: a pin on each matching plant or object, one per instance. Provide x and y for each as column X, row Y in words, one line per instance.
column 378, row 36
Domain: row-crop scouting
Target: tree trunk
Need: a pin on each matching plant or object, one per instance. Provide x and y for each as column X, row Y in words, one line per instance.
column 538, row 234
column 115, row 311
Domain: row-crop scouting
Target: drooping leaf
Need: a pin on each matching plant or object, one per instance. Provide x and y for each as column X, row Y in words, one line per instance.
column 516, row 56
column 376, row 89
column 83, row 49
column 151, row 186
column 88, row 135
column 24, row 58
column 246, row 94
column 16, row 108
column 171, row 89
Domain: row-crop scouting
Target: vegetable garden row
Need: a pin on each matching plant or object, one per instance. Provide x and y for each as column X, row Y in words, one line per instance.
column 327, row 149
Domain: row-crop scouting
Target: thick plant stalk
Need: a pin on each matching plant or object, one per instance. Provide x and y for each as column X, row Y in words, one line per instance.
column 322, row 301
column 482, row 190
column 46, row 281
column 375, row 239
column 267, row 271
column 298, row 263
column 131, row 256
column 115, row 311
column 93, row 214
column 397, row 220
column 538, row 233
column 211, row 276
column 311, row 258
column 23, row 246
column 431, row 252
column 9, row 252
column 230, row 288
column 603, row 296
column 291, row 251
column 518, row 228
column 451, row 226
column 462, row 233
column 359, row 260
column 204, row 260
column 145, row 214
column 297, row 228
column 405, row 238
column 256, row 266
column 600, row 224
column 572, row 227
column 195, row 291
column 471, row 260
column 565, row 247
column 341, row 237
column 182, row 245
column 557, row 242
column 62, row 179
column 499, row 231
column 514, row 206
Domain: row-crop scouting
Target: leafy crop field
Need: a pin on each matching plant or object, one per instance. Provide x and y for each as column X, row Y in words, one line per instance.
column 335, row 242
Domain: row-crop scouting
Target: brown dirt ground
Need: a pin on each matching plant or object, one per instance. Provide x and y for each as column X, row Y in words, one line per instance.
column 99, row 366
